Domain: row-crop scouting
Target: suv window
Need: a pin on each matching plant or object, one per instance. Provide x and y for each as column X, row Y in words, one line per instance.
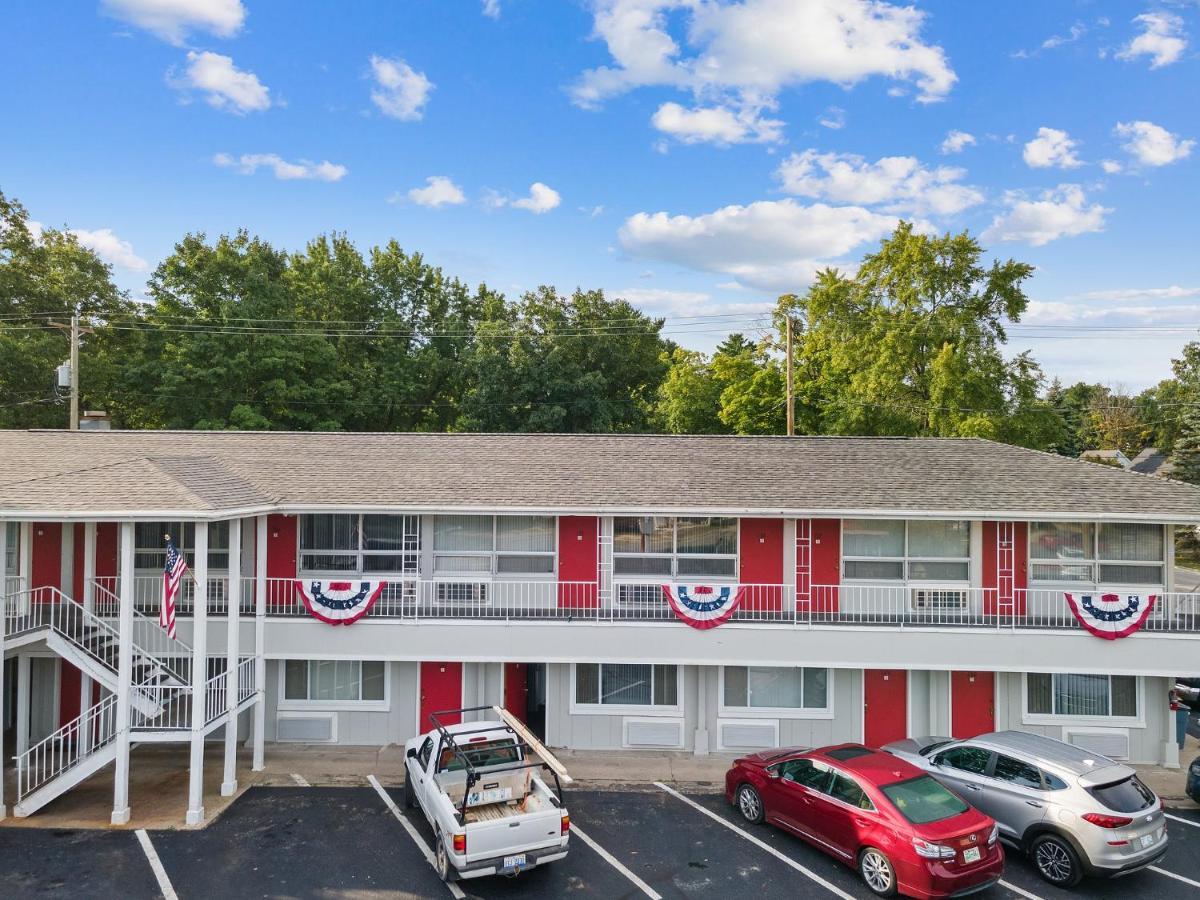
column 1126, row 796
column 423, row 753
column 965, row 759
column 848, row 791
column 807, row 772
column 1016, row 772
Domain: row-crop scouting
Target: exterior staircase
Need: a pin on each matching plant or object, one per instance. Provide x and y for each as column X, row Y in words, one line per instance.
column 161, row 698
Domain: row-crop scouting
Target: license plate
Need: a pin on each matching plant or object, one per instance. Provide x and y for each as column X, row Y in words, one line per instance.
column 971, row 854
column 1147, row 840
column 514, row 862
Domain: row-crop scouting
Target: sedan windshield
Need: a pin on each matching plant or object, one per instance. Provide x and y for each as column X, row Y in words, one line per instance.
column 922, row 800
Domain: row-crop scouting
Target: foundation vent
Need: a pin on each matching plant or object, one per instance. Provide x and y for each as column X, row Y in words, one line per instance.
column 756, row 735
column 1113, row 744
column 305, row 729
column 654, row 733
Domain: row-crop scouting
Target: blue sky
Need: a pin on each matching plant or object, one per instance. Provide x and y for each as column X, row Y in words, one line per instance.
column 697, row 157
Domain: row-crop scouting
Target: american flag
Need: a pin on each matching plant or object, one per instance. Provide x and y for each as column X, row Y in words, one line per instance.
column 173, row 572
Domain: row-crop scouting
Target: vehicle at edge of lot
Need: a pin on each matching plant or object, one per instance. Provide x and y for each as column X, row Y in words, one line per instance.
column 901, row 829
column 1074, row 812
column 490, row 811
column 1193, row 780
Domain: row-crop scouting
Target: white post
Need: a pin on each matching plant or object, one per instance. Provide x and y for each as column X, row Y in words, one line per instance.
column 120, row 813
column 195, row 810
column 3, row 626
column 700, row 738
column 260, row 662
column 25, row 558
column 23, row 692
column 89, row 603
column 234, row 593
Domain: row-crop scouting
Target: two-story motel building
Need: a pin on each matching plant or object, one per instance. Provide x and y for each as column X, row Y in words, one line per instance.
column 890, row 587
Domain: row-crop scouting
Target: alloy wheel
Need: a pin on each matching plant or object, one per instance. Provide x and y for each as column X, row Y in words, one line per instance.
column 749, row 804
column 876, row 871
column 1053, row 861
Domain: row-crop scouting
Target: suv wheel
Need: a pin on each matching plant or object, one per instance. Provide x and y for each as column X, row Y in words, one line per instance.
column 877, row 872
column 1056, row 861
column 749, row 804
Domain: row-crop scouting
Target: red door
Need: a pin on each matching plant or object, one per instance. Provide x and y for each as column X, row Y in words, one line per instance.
column 972, row 703
column 885, row 710
column 516, row 690
column 46, row 557
column 441, row 688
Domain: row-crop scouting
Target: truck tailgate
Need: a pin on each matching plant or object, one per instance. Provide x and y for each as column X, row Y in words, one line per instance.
column 513, row 834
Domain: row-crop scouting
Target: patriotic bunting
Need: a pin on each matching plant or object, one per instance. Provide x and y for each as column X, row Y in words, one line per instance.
column 703, row 605
column 1111, row 616
column 339, row 602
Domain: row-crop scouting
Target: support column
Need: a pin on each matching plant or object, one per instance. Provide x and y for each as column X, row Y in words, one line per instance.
column 120, row 813
column 23, row 694
column 195, row 810
column 260, row 627
column 700, row 745
column 89, row 603
column 3, row 626
column 25, row 557
column 229, row 784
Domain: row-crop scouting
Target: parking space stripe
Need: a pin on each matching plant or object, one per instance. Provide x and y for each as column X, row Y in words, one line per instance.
column 455, row 890
column 1018, row 890
column 300, row 780
column 616, row 863
column 1191, row 822
column 156, row 866
column 762, row 845
column 1195, row 884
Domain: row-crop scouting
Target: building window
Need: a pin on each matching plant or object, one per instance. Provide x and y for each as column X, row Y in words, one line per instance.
column 12, row 541
column 150, row 546
column 354, row 544
column 620, row 684
column 1124, row 553
column 767, row 687
column 494, row 545
column 333, row 681
column 1076, row 696
column 896, row 550
column 687, row 547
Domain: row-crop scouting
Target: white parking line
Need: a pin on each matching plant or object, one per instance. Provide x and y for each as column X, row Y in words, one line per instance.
column 1173, row 875
column 156, row 866
column 455, row 891
column 757, row 842
column 616, row 863
column 1191, row 822
column 1018, row 890
column 300, row 780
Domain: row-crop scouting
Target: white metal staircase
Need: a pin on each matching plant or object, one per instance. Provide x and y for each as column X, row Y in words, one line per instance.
column 160, row 700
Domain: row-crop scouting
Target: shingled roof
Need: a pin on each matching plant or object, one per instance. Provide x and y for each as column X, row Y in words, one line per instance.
column 116, row 474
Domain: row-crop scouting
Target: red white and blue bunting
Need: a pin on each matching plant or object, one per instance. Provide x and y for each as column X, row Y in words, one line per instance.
column 703, row 605
column 1112, row 616
column 339, row 602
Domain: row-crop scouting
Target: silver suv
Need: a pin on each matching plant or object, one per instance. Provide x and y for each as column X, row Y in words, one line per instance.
column 1074, row 812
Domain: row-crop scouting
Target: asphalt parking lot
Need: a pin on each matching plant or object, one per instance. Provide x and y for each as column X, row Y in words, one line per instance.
column 348, row 842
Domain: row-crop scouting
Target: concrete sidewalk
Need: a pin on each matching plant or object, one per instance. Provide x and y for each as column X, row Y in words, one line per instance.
column 159, row 779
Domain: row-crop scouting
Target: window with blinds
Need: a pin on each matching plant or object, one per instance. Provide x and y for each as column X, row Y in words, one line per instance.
column 494, row 545
column 899, row 550
column 684, row 547
column 623, row 684
column 150, row 545
column 1081, row 696
column 1115, row 553
column 359, row 544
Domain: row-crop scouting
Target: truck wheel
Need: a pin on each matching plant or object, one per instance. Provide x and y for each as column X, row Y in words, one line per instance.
column 410, row 798
column 441, row 861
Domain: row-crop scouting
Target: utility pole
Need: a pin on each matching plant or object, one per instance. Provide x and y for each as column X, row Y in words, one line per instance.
column 791, row 402
column 75, row 331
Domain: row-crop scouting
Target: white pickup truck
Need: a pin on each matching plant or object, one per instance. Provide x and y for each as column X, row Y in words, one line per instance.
column 489, row 808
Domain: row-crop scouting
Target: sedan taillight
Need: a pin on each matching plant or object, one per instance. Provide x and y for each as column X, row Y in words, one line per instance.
column 1106, row 821
column 930, row 850
column 994, row 835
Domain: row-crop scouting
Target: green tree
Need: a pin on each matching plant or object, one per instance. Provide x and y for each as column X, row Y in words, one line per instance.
column 753, row 400
column 689, row 399
column 1186, row 457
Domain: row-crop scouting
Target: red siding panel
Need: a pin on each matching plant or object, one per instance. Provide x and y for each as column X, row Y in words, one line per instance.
column 826, row 563
column 760, row 563
column 992, row 560
column 578, row 561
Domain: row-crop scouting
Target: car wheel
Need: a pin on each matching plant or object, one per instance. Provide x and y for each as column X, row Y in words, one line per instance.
column 1056, row 861
column 877, row 872
column 441, row 861
column 749, row 804
column 410, row 798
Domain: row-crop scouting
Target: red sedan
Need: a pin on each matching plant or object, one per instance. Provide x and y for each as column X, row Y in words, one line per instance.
column 903, row 831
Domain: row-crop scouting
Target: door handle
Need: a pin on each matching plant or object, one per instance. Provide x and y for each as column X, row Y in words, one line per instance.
column 1034, row 804
column 973, row 787
column 862, row 823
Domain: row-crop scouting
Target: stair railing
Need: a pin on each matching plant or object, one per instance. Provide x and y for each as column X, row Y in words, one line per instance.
column 70, row 745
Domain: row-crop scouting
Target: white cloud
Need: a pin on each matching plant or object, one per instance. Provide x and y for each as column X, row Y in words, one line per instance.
column 957, row 141
column 743, row 54
column 592, row 211
column 491, row 8
column 542, row 198
column 111, row 248
column 901, row 183
column 1110, row 166
column 1152, row 145
column 772, row 245
column 716, row 124
column 1162, row 39
column 225, row 86
column 683, row 304
column 171, row 20
column 1076, row 31
column 833, row 118
column 1174, row 292
column 1051, row 148
column 438, row 191
column 301, row 170
column 400, row 91
column 1060, row 212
